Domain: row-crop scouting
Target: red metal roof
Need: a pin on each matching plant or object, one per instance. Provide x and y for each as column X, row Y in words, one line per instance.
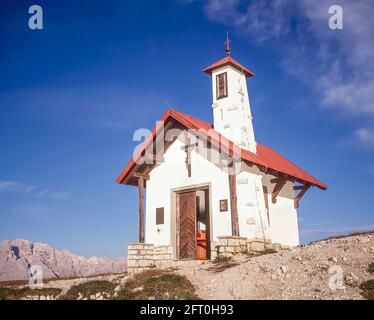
column 265, row 156
column 228, row 61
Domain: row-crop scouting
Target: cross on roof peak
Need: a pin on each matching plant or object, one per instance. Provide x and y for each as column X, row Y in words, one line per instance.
column 227, row 43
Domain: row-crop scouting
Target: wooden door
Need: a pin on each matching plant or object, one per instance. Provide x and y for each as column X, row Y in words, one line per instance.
column 187, row 222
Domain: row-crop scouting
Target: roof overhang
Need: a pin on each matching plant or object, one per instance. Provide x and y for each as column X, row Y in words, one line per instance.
column 266, row 158
column 231, row 62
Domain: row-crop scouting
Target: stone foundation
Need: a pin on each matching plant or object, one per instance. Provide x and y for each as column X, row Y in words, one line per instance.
column 140, row 257
column 259, row 245
column 230, row 246
column 162, row 256
column 143, row 256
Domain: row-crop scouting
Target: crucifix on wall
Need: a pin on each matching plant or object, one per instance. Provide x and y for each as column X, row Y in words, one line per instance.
column 187, row 148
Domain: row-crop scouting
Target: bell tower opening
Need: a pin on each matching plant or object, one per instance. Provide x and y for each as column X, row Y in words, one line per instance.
column 221, row 85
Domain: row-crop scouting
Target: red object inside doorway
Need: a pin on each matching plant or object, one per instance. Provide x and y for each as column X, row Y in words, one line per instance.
column 201, row 245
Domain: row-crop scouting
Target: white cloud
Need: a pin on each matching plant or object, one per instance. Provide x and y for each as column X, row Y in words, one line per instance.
column 338, row 65
column 347, row 72
column 18, row 187
column 365, row 136
column 264, row 20
column 14, row 186
column 59, row 195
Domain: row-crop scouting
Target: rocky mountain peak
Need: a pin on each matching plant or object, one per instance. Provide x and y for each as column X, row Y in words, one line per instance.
column 16, row 257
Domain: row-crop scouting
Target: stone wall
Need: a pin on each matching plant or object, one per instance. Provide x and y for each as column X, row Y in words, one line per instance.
column 162, row 256
column 259, row 245
column 143, row 256
column 140, row 257
column 229, row 246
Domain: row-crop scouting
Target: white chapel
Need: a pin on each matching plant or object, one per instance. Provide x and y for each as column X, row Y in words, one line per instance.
column 208, row 190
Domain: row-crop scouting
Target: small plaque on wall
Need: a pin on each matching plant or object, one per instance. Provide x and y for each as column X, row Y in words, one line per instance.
column 223, row 205
column 159, row 215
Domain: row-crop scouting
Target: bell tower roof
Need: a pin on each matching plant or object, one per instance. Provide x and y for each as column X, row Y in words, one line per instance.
column 228, row 61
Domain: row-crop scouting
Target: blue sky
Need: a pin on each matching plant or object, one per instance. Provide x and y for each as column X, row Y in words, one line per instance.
column 72, row 94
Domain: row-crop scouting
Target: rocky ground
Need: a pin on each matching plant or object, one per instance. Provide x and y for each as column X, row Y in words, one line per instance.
column 328, row 269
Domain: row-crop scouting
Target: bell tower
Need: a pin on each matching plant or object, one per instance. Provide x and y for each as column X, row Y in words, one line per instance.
column 231, row 109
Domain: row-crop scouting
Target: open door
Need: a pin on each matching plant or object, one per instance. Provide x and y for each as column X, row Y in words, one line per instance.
column 202, row 225
column 187, row 230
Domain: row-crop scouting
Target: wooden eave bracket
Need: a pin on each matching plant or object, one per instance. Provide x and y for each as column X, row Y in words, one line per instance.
column 141, row 175
column 303, row 189
column 279, row 184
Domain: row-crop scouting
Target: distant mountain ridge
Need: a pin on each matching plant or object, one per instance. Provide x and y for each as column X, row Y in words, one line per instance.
column 17, row 256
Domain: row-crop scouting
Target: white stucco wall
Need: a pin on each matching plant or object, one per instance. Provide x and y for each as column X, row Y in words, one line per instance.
column 172, row 174
column 283, row 215
column 253, row 222
column 252, row 213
